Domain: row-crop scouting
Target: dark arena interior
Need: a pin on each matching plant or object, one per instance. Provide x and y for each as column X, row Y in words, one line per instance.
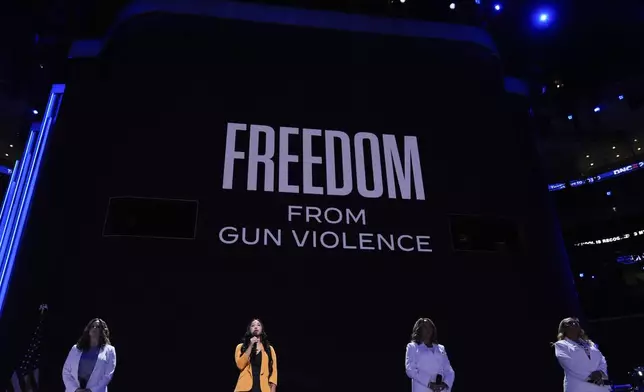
column 336, row 174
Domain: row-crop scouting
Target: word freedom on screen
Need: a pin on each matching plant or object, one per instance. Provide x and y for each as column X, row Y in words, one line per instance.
column 343, row 154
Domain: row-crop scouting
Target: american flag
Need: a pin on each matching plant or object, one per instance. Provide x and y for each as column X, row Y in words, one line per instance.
column 25, row 378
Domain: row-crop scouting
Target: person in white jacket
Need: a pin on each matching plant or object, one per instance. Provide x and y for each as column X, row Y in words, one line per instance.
column 90, row 365
column 584, row 366
column 426, row 361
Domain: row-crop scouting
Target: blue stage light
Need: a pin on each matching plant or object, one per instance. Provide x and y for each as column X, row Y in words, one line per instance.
column 620, row 97
column 477, row 1
column 570, row 117
column 34, row 111
column 543, row 18
column 18, row 198
column 497, row 7
column 452, row 6
column 597, row 109
column 581, row 275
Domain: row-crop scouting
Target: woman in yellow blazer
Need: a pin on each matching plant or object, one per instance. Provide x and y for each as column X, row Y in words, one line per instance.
column 256, row 361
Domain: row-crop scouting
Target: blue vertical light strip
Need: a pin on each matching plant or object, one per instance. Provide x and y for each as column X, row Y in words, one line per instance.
column 17, row 207
column 10, row 212
column 7, row 195
column 8, row 198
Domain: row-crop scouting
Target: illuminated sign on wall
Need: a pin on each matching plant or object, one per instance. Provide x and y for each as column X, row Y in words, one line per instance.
column 597, row 178
column 609, row 240
column 556, row 187
column 630, row 259
column 329, row 165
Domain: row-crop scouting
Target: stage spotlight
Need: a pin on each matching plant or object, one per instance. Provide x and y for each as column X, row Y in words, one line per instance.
column 597, row 109
column 570, row 117
column 543, row 18
column 609, row 193
column 477, row 1
column 637, row 378
column 620, row 97
column 34, row 111
column 402, row 1
column 497, row 7
column 452, row 6
column 581, row 275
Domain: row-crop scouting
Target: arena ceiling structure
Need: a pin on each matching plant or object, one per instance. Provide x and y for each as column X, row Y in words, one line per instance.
column 582, row 45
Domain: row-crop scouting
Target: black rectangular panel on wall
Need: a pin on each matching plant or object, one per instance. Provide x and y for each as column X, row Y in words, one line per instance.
column 155, row 218
column 473, row 233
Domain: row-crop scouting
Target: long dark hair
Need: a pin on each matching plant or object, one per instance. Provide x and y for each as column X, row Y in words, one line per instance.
column 416, row 334
column 83, row 343
column 267, row 346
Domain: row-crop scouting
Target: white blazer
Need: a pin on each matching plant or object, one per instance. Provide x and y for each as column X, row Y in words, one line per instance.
column 577, row 366
column 423, row 364
column 101, row 375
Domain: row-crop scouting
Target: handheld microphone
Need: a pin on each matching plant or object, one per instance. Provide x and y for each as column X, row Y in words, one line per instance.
column 255, row 333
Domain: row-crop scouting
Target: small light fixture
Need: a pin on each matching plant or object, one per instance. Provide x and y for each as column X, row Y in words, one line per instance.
column 617, row 156
column 6, row 155
column 620, row 97
column 452, row 6
column 587, row 156
column 11, row 145
column 635, row 140
column 592, row 164
column 597, row 109
column 614, row 147
column 570, row 117
column 34, row 111
column 639, row 148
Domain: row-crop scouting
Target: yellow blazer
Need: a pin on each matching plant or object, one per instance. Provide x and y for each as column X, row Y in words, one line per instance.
column 245, row 380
